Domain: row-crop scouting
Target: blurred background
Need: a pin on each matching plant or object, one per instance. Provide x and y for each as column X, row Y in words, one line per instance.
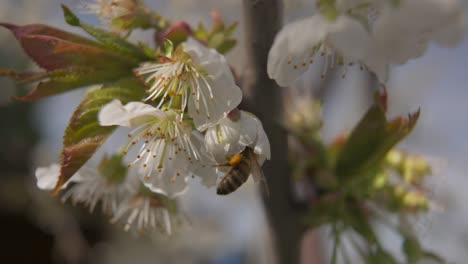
column 36, row 227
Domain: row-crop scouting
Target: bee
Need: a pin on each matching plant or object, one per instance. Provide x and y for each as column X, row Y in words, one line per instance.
column 243, row 165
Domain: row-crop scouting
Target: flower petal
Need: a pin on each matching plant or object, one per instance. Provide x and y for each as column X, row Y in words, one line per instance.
column 222, row 139
column 163, row 185
column 349, row 37
column 294, row 48
column 170, row 176
column 249, row 129
column 218, row 90
column 206, row 170
column 132, row 114
column 47, row 177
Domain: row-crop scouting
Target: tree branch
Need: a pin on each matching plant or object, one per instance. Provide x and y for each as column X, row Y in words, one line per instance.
column 263, row 97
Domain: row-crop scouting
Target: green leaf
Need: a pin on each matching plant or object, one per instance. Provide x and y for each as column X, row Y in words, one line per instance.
column 110, row 40
column 370, row 141
column 70, row 18
column 230, row 29
column 58, row 81
column 226, row 46
column 83, row 135
column 216, row 40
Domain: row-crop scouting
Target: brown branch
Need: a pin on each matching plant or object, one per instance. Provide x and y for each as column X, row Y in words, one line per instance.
column 263, row 97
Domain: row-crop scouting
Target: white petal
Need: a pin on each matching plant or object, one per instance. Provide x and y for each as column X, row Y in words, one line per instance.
column 454, row 30
column 246, row 132
column 262, row 147
column 206, row 166
column 47, row 177
column 220, row 92
column 209, row 59
column 412, row 25
column 171, row 178
column 132, row 114
column 349, row 37
column 165, row 186
column 407, row 40
column 293, row 49
column 206, row 170
column 249, row 125
column 254, row 136
column 221, row 140
column 378, row 65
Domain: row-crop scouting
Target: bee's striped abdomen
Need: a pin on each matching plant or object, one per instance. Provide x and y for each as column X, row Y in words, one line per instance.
column 233, row 179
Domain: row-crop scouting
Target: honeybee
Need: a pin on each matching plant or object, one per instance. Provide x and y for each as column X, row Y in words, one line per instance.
column 243, row 165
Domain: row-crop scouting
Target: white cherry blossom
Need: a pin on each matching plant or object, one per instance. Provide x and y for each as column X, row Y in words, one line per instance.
column 230, row 137
column 196, row 78
column 167, row 148
column 341, row 41
column 403, row 32
column 373, row 33
column 124, row 201
column 108, row 10
column 90, row 187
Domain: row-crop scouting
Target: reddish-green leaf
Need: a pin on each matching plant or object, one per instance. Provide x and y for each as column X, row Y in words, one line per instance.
column 54, row 49
column 70, row 61
column 83, row 135
column 58, row 81
column 370, row 140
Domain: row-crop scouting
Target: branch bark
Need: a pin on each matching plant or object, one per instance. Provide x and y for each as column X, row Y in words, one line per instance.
column 263, row 97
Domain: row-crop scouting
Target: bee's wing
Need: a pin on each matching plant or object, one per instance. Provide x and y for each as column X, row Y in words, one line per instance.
column 257, row 173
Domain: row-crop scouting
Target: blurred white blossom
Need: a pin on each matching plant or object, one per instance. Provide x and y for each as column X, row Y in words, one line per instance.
column 109, row 10
column 89, row 187
column 340, row 41
column 410, row 27
column 375, row 34
column 143, row 212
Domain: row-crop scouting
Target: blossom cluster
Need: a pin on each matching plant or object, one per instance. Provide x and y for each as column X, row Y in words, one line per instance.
column 374, row 34
column 188, row 125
